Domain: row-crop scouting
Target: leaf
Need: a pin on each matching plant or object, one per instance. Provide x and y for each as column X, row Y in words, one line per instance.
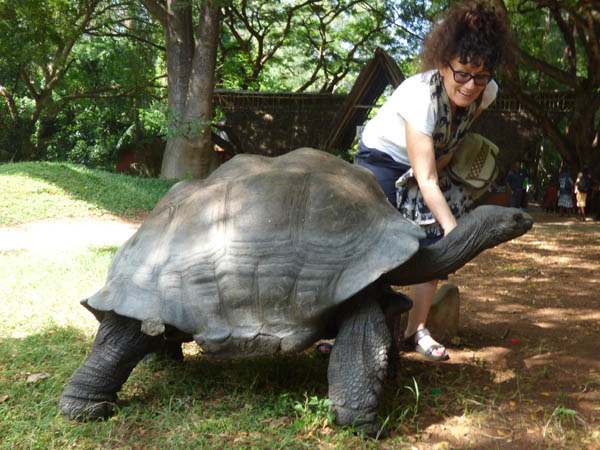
column 35, row 377
column 3, row 398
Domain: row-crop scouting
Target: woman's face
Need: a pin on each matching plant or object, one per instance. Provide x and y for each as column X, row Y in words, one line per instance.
column 463, row 94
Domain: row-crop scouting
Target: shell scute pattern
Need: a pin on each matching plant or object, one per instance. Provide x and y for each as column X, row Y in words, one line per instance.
column 262, row 250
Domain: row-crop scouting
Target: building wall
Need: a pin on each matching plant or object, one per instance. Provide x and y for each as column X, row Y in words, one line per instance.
column 273, row 124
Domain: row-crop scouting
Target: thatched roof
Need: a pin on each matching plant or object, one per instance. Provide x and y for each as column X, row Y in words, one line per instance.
column 378, row 73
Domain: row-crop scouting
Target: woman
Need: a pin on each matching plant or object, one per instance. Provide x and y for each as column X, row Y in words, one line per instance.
column 582, row 186
column 415, row 133
column 565, row 191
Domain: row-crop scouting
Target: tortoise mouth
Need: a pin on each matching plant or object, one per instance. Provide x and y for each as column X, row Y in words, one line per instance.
column 524, row 221
column 520, row 224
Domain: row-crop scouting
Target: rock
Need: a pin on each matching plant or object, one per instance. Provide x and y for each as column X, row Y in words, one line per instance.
column 444, row 315
column 443, row 319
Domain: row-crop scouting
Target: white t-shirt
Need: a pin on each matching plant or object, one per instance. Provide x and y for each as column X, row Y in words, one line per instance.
column 411, row 101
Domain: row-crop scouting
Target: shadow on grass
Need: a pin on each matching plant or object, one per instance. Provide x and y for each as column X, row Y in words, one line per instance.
column 114, row 193
column 202, row 402
column 236, row 397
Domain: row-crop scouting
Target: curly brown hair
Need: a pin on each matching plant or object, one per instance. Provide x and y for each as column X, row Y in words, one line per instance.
column 475, row 33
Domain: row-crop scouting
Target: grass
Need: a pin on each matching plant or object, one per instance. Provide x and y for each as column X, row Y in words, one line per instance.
column 33, row 191
column 277, row 402
column 272, row 402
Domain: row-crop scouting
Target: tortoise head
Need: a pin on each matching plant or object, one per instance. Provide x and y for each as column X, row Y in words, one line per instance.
column 483, row 228
column 492, row 225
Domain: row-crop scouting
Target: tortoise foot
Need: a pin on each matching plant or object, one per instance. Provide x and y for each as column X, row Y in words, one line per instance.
column 366, row 422
column 84, row 410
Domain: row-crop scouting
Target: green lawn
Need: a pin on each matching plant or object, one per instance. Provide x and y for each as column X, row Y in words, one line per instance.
column 34, row 191
column 276, row 402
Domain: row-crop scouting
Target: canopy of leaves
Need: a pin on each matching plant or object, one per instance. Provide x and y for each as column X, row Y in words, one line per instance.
column 71, row 78
column 313, row 45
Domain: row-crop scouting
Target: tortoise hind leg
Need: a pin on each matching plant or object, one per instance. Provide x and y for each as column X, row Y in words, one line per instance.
column 92, row 390
column 358, row 364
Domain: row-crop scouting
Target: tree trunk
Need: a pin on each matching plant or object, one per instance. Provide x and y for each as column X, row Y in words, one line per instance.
column 578, row 25
column 190, row 70
column 582, row 130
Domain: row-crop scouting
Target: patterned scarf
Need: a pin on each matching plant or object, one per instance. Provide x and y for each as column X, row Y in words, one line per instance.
column 410, row 201
column 444, row 138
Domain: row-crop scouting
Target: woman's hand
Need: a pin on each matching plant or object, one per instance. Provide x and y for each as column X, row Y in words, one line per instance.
column 450, row 227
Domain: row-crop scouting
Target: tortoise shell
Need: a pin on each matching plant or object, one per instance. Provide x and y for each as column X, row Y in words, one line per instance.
column 258, row 257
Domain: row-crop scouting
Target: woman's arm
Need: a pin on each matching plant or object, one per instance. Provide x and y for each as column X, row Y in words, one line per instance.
column 421, row 155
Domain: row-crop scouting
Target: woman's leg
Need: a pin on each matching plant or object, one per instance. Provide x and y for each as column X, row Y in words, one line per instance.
column 386, row 172
column 422, row 296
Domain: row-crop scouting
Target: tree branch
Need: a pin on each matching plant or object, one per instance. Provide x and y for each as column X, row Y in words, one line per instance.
column 543, row 120
column 157, row 8
column 567, row 33
column 106, row 92
column 12, row 107
column 130, row 36
column 559, row 75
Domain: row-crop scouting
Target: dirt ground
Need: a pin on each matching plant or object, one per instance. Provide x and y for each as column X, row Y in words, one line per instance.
column 525, row 357
column 528, row 337
column 55, row 234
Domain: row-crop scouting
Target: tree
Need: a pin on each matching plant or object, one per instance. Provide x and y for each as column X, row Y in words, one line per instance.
column 55, row 54
column 66, row 65
column 560, row 50
column 42, row 35
column 191, row 60
column 261, row 44
column 312, row 44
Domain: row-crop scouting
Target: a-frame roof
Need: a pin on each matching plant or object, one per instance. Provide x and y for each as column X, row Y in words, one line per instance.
column 378, row 73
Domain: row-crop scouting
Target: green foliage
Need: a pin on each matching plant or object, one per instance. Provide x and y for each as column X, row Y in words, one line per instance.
column 313, row 46
column 72, row 78
column 559, row 47
column 539, row 35
column 95, row 76
column 314, row 412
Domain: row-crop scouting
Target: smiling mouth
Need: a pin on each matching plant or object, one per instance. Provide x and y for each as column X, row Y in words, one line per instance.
column 466, row 94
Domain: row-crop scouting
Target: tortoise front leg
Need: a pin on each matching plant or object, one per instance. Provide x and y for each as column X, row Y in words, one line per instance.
column 358, row 364
column 118, row 347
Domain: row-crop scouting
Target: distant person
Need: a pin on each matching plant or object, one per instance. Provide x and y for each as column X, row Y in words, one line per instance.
column 527, row 195
column 565, row 194
column 550, row 198
column 515, row 182
column 582, row 186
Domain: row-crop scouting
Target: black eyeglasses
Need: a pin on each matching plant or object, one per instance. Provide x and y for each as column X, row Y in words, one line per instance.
column 464, row 77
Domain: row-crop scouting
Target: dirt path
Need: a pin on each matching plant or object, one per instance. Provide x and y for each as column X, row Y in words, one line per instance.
column 528, row 344
column 53, row 234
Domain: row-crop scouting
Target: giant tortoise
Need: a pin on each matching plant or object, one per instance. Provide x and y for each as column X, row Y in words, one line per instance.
column 270, row 255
